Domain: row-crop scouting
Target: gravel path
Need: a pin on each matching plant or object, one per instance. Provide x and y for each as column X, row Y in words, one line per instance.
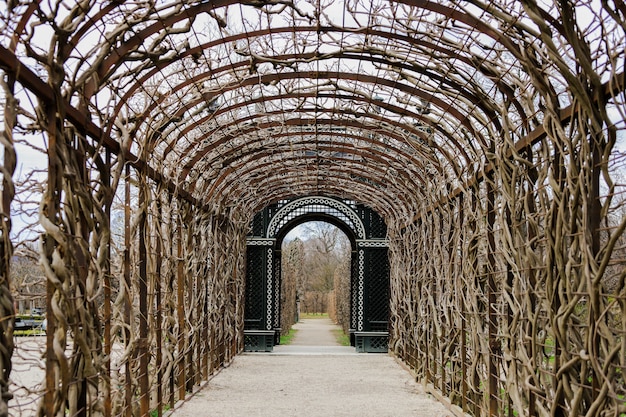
column 312, row 377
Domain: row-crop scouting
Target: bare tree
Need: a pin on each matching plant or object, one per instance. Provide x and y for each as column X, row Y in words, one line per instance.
column 28, row 280
column 324, row 251
column 293, row 253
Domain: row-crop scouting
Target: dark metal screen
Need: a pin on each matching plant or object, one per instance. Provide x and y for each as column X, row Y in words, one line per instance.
column 377, row 289
column 374, row 224
column 255, row 288
column 259, row 223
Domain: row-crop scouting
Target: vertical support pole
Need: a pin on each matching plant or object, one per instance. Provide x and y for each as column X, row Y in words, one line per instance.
column 431, row 338
column 212, row 341
column 190, row 281
column 199, row 317
column 561, row 180
column 159, row 319
column 82, row 264
column 205, row 320
column 440, row 343
column 171, row 276
column 128, row 390
column 7, row 309
column 472, row 252
column 180, row 277
column 594, row 217
column 429, row 313
column 232, row 291
column 144, row 401
column 52, row 203
column 107, row 290
column 463, row 358
column 200, row 323
column 491, row 294
column 462, row 308
column 51, row 360
column 207, row 316
column 509, row 311
column 531, row 234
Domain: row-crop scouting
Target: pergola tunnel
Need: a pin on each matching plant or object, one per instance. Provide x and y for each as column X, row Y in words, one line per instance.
column 474, row 149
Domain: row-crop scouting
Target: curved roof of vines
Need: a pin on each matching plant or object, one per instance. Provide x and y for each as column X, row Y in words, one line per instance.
column 394, row 104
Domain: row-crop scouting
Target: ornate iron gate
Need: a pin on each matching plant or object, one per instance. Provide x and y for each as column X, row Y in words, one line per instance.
column 369, row 310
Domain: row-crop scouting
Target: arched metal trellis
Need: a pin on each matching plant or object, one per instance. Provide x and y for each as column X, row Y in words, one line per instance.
column 369, row 283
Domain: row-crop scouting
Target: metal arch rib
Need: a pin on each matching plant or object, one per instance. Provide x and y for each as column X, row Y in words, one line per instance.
column 330, row 202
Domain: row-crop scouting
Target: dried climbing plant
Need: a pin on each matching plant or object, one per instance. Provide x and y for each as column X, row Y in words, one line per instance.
column 489, row 135
column 9, row 114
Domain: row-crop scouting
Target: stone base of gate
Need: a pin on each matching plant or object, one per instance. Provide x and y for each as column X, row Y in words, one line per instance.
column 371, row 342
column 259, row 340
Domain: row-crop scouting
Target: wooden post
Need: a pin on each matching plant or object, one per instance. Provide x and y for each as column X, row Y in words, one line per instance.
column 189, row 287
column 206, row 359
column 52, row 203
column 159, row 319
column 462, row 308
column 82, row 270
column 7, row 308
column 531, row 234
column 594, row 217
column 128, row 392
column 171, row 276
column 107, row 290
column 180, row 276
column 491, row 304
column 144, row 400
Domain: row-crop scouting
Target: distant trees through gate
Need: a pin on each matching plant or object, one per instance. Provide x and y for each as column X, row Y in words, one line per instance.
column 316, row 272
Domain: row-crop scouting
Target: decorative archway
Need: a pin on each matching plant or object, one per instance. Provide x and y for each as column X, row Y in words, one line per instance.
column 369, row 282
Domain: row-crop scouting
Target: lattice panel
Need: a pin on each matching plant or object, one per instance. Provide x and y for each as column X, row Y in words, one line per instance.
column 258, row 224
column 255, row 285
column 372, row 343
column 258, row 342
column 377, row 288
column 374, row 224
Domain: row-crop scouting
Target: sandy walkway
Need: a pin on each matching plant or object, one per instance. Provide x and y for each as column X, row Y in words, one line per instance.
column 313, row 377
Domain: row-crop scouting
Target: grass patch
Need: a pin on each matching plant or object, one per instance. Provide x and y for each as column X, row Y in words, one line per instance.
column 155, row 413
column 288, row 338
column 342, row 338
column 29, row 332
column 30, row 316
column 314, row 316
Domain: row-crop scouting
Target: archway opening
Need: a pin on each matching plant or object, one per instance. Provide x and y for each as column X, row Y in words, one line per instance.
column 316, row 274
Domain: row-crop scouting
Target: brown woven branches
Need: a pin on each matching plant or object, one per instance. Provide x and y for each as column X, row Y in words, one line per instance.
column 6, row 247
